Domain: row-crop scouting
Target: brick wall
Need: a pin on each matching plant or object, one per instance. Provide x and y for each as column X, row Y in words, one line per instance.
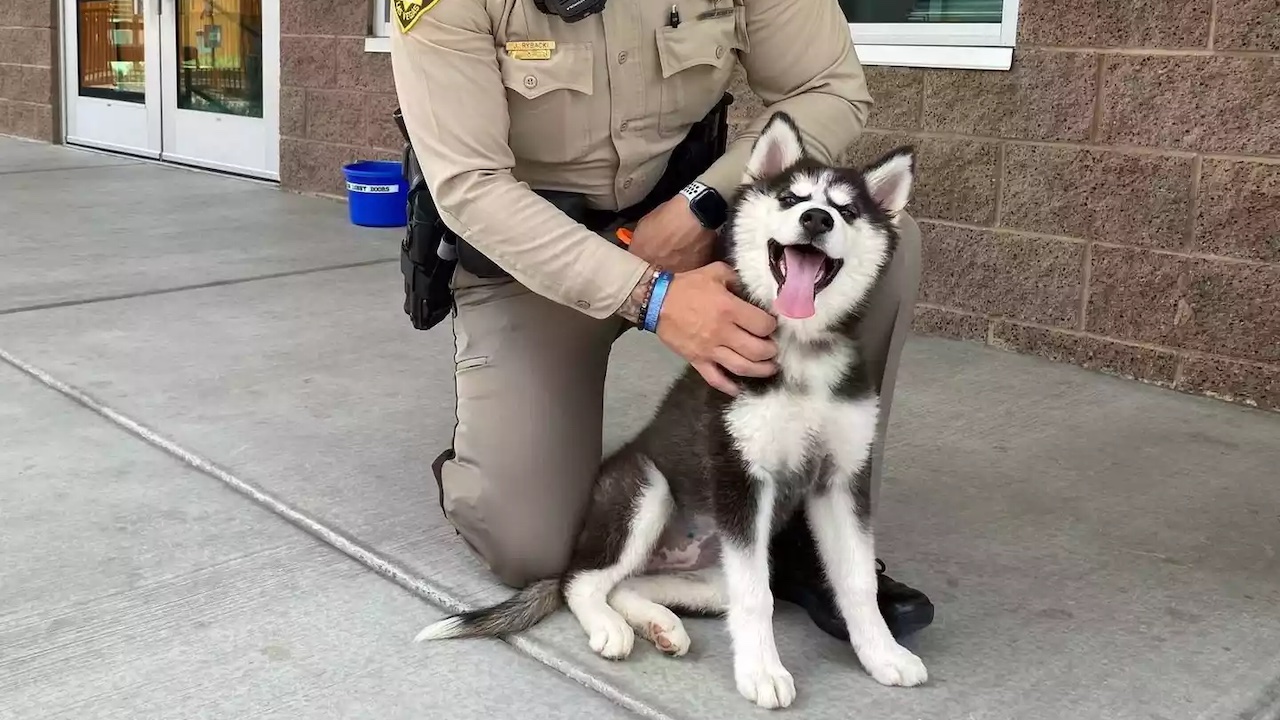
column 27, row 51
column 1112, row 201
column 336, row 99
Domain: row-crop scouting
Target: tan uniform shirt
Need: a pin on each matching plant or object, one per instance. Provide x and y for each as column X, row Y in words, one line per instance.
column 601, row 115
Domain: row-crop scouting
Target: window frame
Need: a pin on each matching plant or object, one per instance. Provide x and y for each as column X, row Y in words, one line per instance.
column 962, row 46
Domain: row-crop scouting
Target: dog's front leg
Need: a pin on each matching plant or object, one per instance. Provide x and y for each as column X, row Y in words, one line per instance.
column 847, row 548
column 757, row 669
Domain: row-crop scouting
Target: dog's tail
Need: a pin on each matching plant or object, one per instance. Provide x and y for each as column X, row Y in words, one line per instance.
column 515, row 614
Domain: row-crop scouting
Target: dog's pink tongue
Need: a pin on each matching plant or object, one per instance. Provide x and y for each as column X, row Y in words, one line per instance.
column 795, row 297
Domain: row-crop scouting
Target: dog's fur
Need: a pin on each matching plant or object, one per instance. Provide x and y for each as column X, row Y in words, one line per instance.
column 681, row 516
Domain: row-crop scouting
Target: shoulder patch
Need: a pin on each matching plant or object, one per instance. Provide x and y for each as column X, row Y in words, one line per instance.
column 408, row 12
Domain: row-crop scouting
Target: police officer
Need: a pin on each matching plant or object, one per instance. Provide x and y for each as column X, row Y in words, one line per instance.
column 505, row 99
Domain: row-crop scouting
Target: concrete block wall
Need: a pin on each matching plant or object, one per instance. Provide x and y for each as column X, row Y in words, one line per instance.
column 336, row 99
column 1114, row 200
column 27, row 66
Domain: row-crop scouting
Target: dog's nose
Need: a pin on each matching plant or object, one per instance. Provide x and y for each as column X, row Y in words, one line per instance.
column 816, row 222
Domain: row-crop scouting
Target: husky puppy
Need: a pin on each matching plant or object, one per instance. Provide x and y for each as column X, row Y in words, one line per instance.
column 682, row 515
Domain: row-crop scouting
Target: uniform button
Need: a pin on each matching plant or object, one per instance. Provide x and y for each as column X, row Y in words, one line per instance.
column 622, row 57
column 623, row 126
column 583, row 304
column 719, row 51
column 626, row 183
column 530, row 81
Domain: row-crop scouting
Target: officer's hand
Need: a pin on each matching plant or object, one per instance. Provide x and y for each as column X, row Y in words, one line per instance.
column 671, row 237
column 706, row 324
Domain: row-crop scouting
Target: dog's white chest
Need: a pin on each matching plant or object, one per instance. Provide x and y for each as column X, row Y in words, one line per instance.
column 778, row 431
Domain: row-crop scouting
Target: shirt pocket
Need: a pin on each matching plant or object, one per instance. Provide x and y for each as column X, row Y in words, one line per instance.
column 548, row 102
column 697, row 60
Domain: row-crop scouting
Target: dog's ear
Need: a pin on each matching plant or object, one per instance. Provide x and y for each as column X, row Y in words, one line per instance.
column 890, row 179
column 778, row 148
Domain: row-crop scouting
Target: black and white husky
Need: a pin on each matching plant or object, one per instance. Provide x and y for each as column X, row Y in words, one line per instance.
column 681, row 516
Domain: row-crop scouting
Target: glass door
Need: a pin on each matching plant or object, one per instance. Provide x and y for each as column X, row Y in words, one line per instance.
column 112, row 75
column 221, row 89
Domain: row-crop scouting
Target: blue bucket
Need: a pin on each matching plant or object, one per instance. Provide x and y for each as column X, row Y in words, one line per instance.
column 377, row 193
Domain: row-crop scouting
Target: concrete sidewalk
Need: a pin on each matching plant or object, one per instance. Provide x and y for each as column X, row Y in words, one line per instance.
column 215, row 498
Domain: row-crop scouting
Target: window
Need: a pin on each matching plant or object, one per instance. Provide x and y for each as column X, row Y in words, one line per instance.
column 379, row 27
column 977, row 34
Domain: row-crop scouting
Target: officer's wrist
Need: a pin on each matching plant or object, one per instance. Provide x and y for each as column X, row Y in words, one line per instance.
column 645, row 300
column 632, row 308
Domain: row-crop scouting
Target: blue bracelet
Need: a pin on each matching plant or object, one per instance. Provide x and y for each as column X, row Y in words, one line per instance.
column 655, row 301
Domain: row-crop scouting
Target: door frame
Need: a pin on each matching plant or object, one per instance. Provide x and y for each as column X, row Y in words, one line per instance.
column 161, row 89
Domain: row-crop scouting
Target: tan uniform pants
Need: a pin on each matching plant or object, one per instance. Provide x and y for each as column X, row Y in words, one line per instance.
column 530, row 380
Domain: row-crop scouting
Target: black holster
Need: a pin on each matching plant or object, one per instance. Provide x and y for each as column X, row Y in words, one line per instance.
column 430, row 251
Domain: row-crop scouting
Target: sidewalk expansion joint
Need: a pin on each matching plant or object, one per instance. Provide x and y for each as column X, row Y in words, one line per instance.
column 336, row 538
column 69, row 168
column 197, row 286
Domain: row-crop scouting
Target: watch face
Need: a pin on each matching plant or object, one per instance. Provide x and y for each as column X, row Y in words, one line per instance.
column 708, row 208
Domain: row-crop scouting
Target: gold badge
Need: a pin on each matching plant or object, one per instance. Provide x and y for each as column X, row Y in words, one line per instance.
column 531, row 49
column 529, row 54
column 408, row 12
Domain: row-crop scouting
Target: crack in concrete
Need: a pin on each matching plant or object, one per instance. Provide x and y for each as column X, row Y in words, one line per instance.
column 336, row 538
column 197, row 286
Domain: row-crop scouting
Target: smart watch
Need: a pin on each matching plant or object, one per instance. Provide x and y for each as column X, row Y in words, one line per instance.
column 706, row 204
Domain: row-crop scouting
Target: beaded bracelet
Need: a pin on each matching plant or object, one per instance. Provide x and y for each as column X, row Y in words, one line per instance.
column 648, row 294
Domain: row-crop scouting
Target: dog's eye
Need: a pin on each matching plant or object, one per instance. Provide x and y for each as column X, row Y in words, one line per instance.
column 848, row 212
column 788, row 200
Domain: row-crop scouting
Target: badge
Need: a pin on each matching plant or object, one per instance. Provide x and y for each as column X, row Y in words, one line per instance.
column 529, row 54
column 531, row 49
column 408, row 12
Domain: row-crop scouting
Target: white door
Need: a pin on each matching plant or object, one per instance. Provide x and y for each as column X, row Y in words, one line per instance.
column 111, row 57
column 220, row 96
column 191, row 81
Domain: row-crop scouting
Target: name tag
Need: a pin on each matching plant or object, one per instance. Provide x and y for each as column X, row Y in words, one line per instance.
column 548, row 45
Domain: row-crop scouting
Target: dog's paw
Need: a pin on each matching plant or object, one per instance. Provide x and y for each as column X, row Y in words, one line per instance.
column 670, row 638
column 894, row 665
column 770, row 687
column 611, row 637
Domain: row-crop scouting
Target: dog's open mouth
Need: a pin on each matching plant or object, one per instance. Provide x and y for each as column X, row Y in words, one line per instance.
column 802, row 271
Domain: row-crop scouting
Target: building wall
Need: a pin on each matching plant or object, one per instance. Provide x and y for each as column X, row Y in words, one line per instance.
column 1113, row 201
column 336, row 99
column 27, row 67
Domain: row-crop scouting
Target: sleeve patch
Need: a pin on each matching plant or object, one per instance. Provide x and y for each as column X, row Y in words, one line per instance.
column 408, row 12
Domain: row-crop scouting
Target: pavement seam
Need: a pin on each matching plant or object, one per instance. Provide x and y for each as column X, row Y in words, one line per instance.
column 197, row 286
column 68, row 168
column 336, row 538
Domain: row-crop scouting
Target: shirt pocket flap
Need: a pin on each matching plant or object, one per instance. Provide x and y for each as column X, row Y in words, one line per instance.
column 568, row 68
column 700, row 42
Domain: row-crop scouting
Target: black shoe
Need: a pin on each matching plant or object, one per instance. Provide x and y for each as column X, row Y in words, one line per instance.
column 905, row 609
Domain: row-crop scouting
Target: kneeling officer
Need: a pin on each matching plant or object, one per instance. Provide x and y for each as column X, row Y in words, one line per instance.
column 541, row 127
